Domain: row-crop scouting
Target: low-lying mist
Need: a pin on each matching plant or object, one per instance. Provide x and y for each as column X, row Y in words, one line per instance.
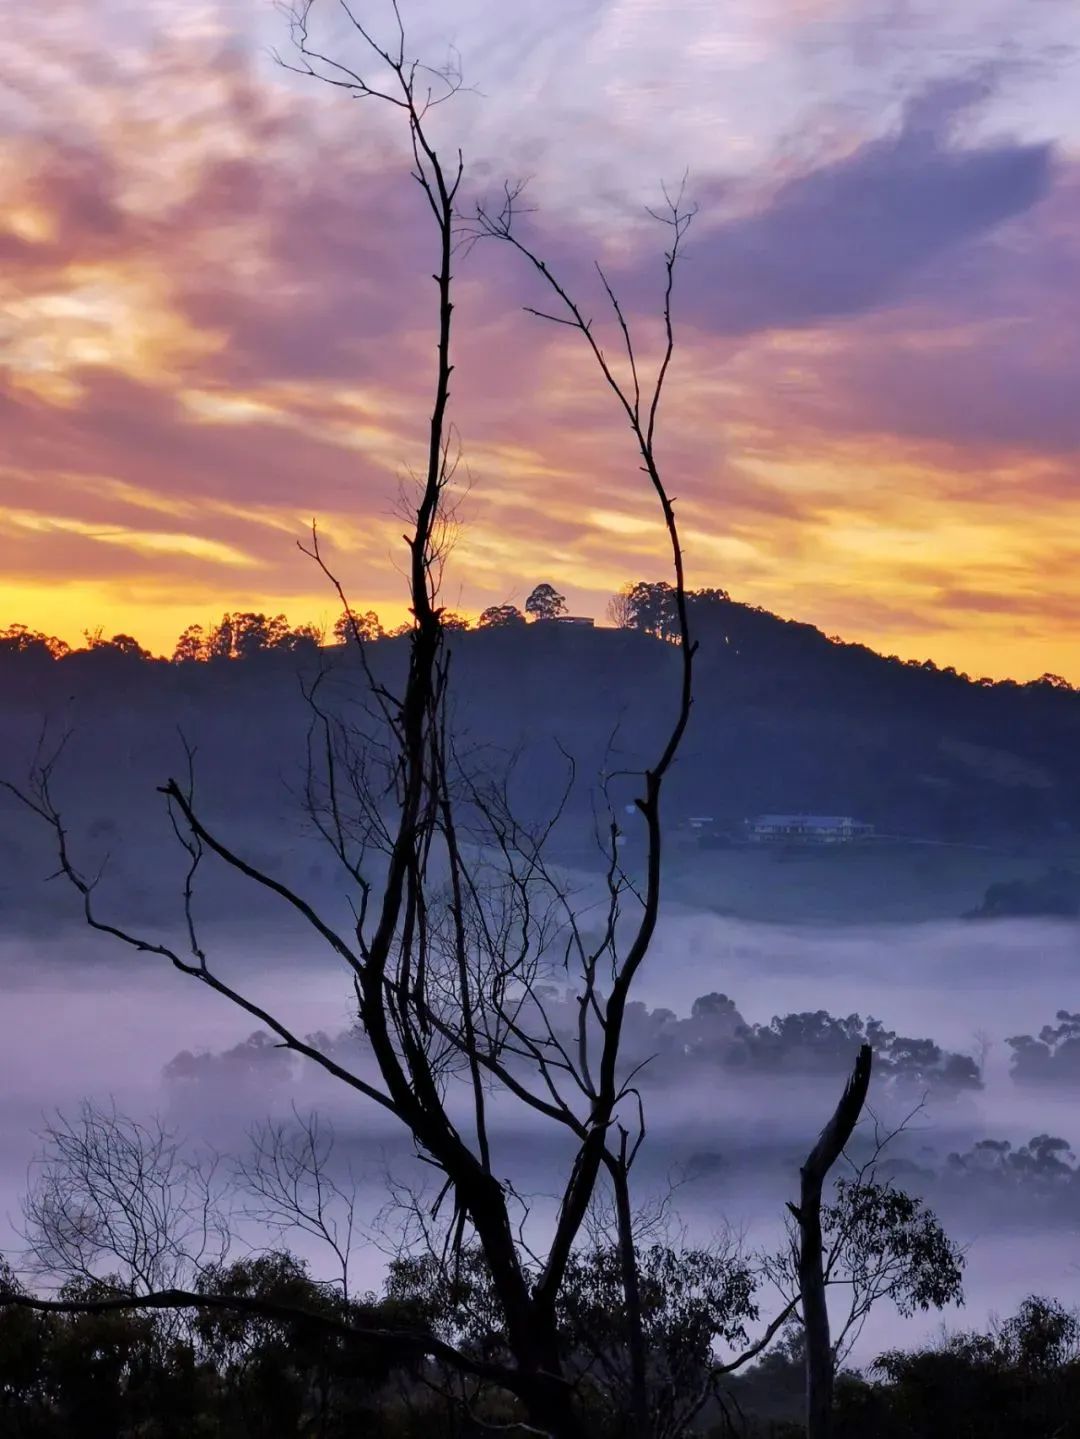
column 80, row 1019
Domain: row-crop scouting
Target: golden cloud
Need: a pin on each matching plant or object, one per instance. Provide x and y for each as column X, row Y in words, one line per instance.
column 152, row 543
column 215, row 307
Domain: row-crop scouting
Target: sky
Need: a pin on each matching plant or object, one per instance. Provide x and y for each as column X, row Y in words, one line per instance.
column 217, row 316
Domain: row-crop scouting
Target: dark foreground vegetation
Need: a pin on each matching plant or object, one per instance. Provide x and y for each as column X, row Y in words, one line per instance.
column 218, row 1373
column 1019, row 1379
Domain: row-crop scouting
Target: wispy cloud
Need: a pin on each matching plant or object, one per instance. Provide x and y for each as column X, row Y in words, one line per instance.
column 215, row 308
column 151, row 543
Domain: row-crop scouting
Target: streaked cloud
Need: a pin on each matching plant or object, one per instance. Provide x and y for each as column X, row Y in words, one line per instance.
column 144, row 542
column 215, row 316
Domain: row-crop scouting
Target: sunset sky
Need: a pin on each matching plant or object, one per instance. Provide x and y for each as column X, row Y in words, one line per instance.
column 216, row 314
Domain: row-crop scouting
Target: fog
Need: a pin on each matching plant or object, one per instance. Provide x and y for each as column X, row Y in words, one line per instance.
column 81, row 1019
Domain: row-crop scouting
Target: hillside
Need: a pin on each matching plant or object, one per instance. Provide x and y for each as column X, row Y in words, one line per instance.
column 785, row 719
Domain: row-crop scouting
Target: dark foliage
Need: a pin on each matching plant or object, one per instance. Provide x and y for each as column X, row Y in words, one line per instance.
column 1045, row 1163
column 131, row 1375
column 501, row 617
column 692, row 1301
column 545, row 603
column 1019, row 1380
column 1053, row 895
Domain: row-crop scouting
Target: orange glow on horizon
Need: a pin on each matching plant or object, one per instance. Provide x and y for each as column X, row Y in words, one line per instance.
column 193, row 366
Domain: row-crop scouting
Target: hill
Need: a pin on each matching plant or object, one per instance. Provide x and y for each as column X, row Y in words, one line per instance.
column 785, row 719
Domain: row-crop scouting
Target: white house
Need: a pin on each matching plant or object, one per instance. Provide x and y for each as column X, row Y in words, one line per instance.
column 806, row 829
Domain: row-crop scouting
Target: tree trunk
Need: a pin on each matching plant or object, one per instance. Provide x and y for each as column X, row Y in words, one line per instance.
column 551, row 1408
column 639, row 1393
column 830, row 1145
column 819, row 1365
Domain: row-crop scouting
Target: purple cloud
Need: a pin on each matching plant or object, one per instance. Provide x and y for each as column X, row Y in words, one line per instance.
column 849, row 236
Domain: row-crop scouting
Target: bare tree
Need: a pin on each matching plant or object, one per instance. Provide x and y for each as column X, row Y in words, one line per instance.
column 619, row 609
column 820, row 1364
column 439, row 1011
column 461, row 920
column 134, row 1181
column 289, row 1187
column 872, row 1242
column 112, row 1198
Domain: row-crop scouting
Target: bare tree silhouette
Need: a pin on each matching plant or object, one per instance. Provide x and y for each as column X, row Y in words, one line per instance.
column 447, row 951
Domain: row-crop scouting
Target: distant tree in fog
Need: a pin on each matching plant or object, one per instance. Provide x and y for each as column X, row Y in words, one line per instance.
column 820, row 1041
column 1052, row 1058
column 545, row 603
column 257, row 1066
column 715, row 1035
column 1045, row 1162
column 1054, row 894
column 669, row 1050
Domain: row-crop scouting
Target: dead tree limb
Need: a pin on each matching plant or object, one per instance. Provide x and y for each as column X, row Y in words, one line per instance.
column 811, row 1268
column 405, row 1342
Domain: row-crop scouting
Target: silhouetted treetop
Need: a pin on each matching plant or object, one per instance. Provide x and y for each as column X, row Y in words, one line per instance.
column 352, row 624
column 119, row 645
column 545, row 603
column 500, row 617
column 19, row 640
column 1052, row 1058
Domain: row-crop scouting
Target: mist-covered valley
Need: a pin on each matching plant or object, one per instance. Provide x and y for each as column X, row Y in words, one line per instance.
column 769, row 967
column 82, row 1021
